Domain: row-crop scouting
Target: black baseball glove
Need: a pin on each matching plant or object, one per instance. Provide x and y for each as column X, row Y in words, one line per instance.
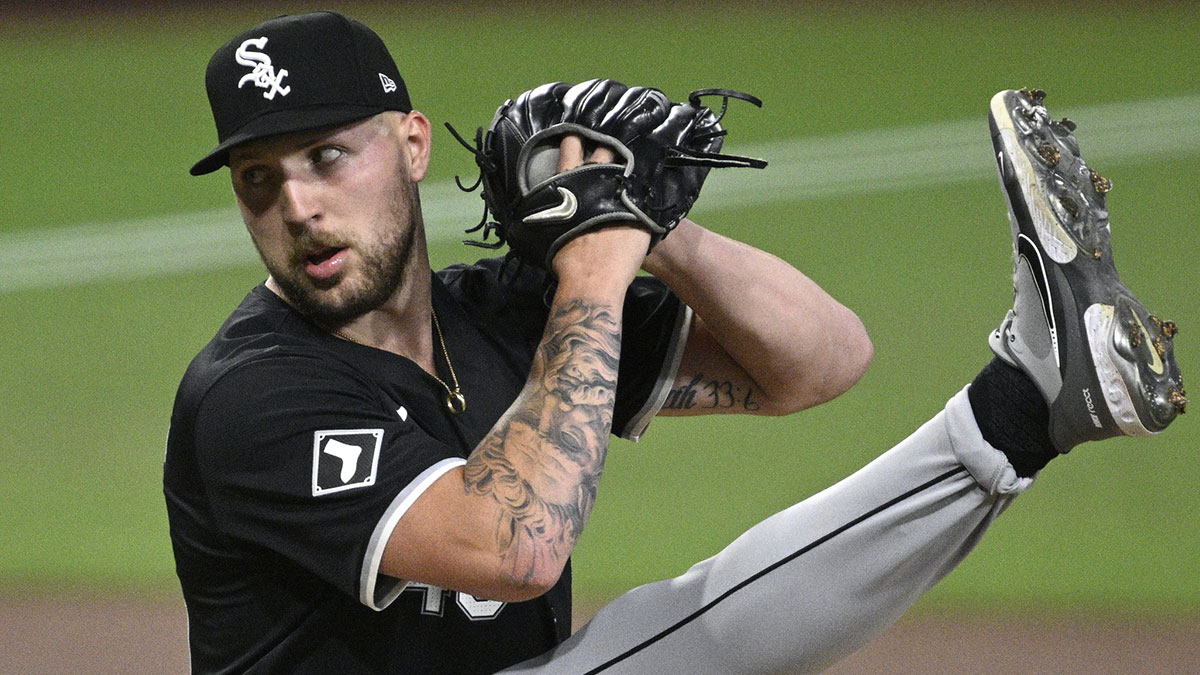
column 664, row 151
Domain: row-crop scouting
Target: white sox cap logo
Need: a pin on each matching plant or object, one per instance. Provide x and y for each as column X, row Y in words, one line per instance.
column 263, row 76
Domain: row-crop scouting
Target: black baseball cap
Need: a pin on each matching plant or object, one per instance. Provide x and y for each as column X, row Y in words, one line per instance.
column 294, row 73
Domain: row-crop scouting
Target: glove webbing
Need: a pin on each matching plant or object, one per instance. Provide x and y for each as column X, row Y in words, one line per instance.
column 676, row 156
column 682, row 157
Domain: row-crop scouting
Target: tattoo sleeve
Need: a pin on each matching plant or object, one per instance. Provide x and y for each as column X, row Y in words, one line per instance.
column 542, row 462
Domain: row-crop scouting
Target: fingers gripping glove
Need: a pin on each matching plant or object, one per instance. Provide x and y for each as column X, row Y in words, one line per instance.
column 663, row 153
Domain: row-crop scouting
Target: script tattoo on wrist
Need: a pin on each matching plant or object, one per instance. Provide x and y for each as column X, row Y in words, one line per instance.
column 542, row 462
column 712, row 394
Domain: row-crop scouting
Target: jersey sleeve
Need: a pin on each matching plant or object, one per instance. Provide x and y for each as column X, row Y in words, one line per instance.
column 655, row 329
column 303, row 458
column 511, row 303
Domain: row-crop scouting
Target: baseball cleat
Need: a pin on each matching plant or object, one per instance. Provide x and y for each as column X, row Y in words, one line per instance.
column 1105, row 365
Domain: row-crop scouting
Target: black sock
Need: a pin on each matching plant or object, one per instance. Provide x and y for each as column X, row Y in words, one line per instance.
column 1012, row 416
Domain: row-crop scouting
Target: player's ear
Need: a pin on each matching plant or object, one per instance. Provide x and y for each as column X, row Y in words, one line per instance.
column 414, row 134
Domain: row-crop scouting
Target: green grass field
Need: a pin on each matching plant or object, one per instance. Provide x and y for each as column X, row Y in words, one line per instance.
column 104, row 114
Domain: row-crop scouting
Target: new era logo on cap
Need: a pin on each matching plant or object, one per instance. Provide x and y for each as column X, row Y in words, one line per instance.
column 344, row 459
column 389, row 85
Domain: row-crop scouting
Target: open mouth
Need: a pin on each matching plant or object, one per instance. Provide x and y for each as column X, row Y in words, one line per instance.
column 322, row 255
column 325, row 262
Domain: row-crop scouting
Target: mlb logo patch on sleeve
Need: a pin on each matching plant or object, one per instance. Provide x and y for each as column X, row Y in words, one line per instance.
column 344, row 459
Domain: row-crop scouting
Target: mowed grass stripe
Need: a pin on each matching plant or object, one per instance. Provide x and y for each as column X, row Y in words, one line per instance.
column 802, row 168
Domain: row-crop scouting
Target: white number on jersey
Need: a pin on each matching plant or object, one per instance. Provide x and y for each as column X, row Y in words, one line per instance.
column 434, row 599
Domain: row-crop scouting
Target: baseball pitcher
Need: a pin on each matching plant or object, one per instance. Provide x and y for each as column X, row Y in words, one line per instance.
column 378, row 468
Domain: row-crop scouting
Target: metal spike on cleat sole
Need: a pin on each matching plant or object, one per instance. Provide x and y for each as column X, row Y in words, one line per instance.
column 1178, row 398
column 1070, row 206
column 1159, row 347
column 1167, row 328
column 1102, row 184
column 1049, row 153
column 1034, row 95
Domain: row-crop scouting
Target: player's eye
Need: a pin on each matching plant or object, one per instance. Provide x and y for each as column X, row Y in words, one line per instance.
column 325, row 154
column 254, row 175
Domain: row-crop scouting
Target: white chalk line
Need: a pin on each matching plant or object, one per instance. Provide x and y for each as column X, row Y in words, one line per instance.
column 800, row 169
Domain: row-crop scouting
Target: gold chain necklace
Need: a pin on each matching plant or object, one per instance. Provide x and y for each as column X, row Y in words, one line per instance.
column 455, row 401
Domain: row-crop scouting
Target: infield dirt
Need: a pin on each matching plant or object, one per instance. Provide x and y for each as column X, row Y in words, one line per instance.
column 97, row 635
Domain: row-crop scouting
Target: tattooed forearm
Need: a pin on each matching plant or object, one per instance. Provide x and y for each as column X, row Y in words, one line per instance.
column 542, row 462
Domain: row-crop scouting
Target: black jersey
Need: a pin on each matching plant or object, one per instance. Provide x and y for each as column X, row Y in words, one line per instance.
column 292, row 454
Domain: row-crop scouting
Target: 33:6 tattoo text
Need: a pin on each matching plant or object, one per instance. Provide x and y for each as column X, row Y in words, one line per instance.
column 712, row 394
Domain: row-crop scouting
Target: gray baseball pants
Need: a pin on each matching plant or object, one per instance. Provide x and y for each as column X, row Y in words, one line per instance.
column 812, row 583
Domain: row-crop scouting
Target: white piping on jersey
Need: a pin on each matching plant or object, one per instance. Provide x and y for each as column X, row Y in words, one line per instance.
column 378, row 593
column 666, row 377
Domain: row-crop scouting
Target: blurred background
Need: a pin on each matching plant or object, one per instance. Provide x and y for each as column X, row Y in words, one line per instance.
column 116, row 267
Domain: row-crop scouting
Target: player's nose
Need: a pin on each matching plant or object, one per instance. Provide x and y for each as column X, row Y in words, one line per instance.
column 299, row 203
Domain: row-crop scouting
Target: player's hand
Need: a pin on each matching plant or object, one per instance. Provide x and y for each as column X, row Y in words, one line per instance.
column 611, row 254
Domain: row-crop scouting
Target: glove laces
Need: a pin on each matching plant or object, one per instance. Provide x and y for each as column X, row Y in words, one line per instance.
column 485, row 164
